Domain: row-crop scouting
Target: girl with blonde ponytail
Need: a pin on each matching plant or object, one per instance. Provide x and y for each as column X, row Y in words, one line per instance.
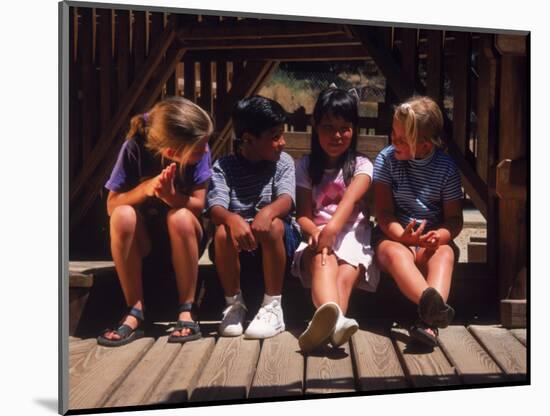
column 159, row 181
column 418, row 208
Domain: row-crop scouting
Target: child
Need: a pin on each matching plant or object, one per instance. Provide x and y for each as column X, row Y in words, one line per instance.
column 418, row 208
column 331, row 185
column 163, row 168
column 250, row 198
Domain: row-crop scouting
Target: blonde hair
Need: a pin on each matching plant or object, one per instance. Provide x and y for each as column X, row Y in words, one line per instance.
column 422, row 120
column 173, row 123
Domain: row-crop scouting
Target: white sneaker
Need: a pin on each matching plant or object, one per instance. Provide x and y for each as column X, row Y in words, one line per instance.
column 343, row 330
column 267, row 323
column 320, row 328
column 233, row 320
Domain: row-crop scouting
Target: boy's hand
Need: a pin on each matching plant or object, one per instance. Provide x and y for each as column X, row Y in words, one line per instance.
column 262, row 223
column 241, row 233
column 164, row 187
column 410, row 237
column 431, row 240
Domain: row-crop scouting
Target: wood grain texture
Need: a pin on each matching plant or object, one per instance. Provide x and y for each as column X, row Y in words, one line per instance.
column 329, row 371
column 181, row 376
column 145, row 376
column 376, row 361
column 101, row 371
column 78, row 350
column 470, row 360
column 520, row 334
column 504, row 348
column 280, row 370
column 229, row 372
column 426, row 367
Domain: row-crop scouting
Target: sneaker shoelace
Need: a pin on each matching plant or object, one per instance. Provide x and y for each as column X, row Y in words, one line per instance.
column 265, row 310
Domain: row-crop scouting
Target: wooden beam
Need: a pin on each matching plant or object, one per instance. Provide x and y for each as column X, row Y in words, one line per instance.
column 138, row 41
column 434, row 61
column 402, row 85
column 122, row 50
column 123, row 112
column 512, row 179
column 189, row 79
column 86, row 63
column 513, row 138
column 205, row 100
column 461, row 91
column 256, row 29
column 267, row 43
column 247, row 83
column 104, row 42
column 298, row 53
column 106, row 163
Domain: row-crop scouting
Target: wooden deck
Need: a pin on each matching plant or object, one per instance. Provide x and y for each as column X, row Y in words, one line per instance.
column 151, row 371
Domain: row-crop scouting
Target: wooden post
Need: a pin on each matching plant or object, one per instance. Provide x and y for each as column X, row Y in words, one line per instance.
column 74, row 88
column 189, row 80
column 105, row 66
column 85, row 58
column 461, row 91
column 434, row 81
column 206, row 86
column 122, row 47
column 512, row 146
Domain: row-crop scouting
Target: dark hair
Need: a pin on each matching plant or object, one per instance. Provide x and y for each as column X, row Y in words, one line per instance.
column 334, row 102
column 255, row 115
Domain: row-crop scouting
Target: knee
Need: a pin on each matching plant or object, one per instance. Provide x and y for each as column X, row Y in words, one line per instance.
column 181, row 222
column 220, row 235
column 446, row 254
column 123, row 221
column 275, row 233
column 387, row 254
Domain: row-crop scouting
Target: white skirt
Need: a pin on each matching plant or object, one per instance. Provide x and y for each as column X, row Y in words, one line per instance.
column 352, row 245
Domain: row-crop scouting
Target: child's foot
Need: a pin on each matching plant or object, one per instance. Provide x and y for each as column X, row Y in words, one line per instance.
column 433, row 310
column 267, row 323
column 343, row 330
column 424, row 333
column 320, row 328
column 233, row 319
column 126, row 332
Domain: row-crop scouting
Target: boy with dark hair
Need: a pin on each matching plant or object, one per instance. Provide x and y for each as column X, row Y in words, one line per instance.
column 250, row 198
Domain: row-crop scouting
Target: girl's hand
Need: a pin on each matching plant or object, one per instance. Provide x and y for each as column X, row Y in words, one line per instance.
column 431, row 240
column 326, row 238
column 165, row 182
column 241, row 233
column 410, row 237
column 314, row 239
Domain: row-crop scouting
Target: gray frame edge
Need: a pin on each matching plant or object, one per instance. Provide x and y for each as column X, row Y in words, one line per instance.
column 63, row 208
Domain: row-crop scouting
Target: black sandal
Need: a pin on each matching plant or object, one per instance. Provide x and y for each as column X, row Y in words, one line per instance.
column 419, row 332
column 193, row 326
column 433, row 310
column 127, row 333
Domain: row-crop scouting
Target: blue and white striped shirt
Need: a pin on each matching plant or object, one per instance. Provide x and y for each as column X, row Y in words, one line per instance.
column 245, row 187
column 419, row 187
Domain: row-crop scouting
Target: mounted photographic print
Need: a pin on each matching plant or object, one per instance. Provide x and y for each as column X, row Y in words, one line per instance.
column 271, row 208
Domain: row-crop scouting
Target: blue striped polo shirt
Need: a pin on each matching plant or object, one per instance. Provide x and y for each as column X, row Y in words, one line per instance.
column 419, row 187
column 244, row 187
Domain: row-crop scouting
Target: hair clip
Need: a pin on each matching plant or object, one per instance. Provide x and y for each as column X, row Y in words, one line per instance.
column 355, row 94
column 332, row 86
column 145, row 117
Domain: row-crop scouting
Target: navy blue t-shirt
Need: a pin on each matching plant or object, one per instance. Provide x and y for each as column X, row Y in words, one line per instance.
column 136, row 163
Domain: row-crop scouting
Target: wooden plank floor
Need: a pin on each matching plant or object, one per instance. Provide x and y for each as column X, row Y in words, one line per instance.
column 152, row 371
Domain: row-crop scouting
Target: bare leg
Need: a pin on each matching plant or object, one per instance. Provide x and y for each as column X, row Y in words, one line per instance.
column 399, row 261
column 227, row 262
column 439, row 268
column 323, row 277
column 345, row 282
column 185, row 233
column 273, row 257
column 129, row 244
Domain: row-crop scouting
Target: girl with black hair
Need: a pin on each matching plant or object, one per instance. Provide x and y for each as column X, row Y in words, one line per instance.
column 331, row 184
